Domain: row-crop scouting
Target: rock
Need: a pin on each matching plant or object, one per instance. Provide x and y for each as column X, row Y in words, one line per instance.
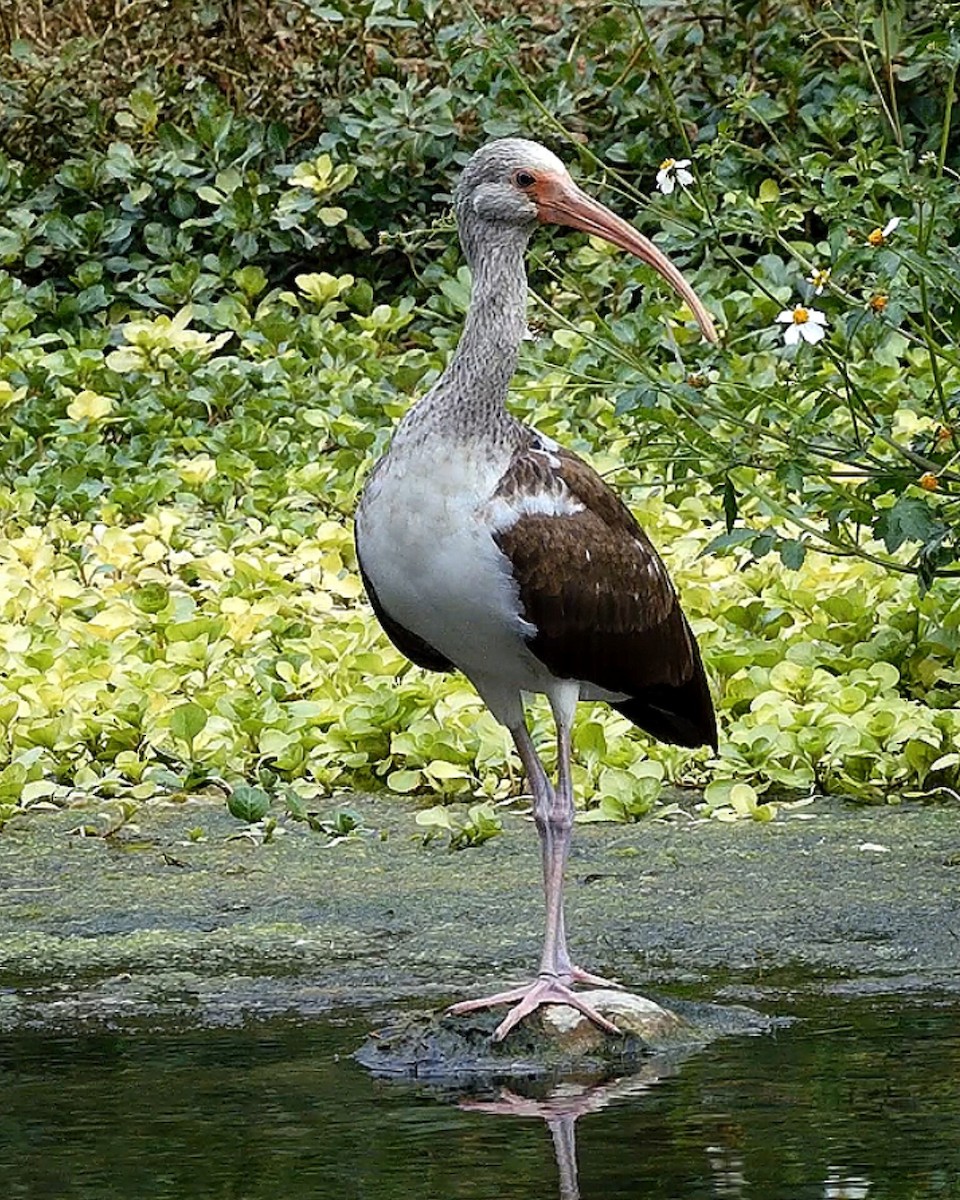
column 554, row 1039
column 655, row 1026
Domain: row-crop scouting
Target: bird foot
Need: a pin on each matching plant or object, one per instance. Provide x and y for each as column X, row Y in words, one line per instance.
column 546, row 989
column 597, row 981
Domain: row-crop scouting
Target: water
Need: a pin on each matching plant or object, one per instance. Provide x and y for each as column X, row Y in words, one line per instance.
column 858, row 1100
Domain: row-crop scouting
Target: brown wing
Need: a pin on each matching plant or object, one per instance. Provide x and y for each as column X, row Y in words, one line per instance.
column 600, row 598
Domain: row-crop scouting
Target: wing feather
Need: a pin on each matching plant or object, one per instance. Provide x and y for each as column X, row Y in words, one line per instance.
column 599, row 596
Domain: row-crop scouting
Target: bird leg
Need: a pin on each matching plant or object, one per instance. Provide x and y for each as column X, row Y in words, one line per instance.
column 564, row 798
column 553, row 815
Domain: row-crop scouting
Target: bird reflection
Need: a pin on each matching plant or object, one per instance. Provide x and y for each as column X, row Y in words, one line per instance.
column 840, row 1186
column 564, row 1104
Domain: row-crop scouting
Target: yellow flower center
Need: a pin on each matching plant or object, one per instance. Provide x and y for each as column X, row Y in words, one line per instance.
column 876, row 238
column 668, row 164
column 929, row 482
column 879, row 302
column 800, row 315
column 820, row 277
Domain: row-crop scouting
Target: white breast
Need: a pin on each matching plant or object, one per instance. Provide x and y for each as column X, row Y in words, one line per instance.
column 425, row 534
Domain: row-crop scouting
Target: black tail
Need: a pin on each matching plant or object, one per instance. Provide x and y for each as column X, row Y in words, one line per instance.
column 681, row 715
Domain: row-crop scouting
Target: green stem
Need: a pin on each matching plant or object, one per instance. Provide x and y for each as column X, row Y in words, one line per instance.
column 836, row 545
column 947, row 118
column 893, row 123
column 932, row 349
column 891, row 82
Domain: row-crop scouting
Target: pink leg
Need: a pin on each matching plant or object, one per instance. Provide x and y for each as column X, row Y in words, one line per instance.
column 565, row 968
column 553, row 815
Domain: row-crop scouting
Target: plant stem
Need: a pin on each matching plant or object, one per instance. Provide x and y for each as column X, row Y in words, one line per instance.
column 891, row 120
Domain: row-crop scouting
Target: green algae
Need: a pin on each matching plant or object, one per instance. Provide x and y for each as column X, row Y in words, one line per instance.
column 209, row 931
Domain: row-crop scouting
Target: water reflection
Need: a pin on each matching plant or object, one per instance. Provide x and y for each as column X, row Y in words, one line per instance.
column 845, row 1187
column 562, row 1107
column 567, row 1101
column 857, row 1101
column 726, row 1164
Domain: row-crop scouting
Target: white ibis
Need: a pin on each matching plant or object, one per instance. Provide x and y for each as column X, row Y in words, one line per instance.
column 487, row 548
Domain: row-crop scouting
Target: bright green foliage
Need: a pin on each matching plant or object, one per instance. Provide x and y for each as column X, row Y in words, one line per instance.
column 200, row 358
column 226, row 628
column 478, row 825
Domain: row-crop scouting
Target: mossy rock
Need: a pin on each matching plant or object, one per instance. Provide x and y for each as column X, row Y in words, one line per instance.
column 554, row 1039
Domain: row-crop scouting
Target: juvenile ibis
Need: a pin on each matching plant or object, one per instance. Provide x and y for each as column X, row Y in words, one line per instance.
column 487, row 548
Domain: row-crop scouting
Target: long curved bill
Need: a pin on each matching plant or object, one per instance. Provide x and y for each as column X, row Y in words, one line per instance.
column 560, row 201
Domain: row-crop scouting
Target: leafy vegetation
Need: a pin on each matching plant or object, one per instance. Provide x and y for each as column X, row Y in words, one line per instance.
column 480, row 823
column 219, row 291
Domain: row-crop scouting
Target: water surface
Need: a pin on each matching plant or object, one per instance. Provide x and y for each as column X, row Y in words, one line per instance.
column 856, row 1099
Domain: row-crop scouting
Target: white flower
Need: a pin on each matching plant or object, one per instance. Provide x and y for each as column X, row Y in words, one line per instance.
column 673, row 171
column 878, row 236
column 806, row 323
column 819, row 277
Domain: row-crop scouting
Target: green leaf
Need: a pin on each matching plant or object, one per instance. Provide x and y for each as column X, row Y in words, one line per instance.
column 248, row 803
column 404, row 781
column 483, row 823
column 440, row 769
column 343, row 822
column 295, row 806
column 742, row 799
column 761, row 545
column 730, row 504
column 909, row 520
column 187, row 721
column 726, row 541
column 22, row 51
column 143, row 106
column 457, row 291
column 435, row 818
column 332, row 216
column 792, row 553
column 152, row 598
column 250, row 280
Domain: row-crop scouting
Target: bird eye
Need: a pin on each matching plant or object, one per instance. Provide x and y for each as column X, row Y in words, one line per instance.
column 524, row 179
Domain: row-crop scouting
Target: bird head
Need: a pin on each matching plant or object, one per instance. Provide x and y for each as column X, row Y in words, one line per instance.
column 513, row 184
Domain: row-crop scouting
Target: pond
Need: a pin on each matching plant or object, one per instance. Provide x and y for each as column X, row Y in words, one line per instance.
column 855, row 1099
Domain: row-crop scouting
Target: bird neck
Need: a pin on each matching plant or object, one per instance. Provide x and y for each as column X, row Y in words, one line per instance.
column 468, row 400
column 496, row 320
